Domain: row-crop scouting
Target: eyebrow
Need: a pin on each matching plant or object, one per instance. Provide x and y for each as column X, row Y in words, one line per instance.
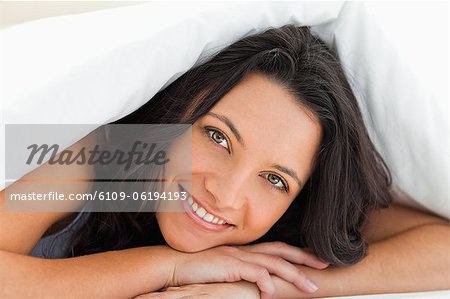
column 289, row 172
column 230, row 125
column 238, row 136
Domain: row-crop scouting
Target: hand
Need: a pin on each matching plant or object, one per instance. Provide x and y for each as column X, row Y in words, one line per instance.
column 252, row 263
column 224, row 290
column 295, row 255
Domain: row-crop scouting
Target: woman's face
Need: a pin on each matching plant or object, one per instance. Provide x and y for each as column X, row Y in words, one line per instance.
column 251, row 155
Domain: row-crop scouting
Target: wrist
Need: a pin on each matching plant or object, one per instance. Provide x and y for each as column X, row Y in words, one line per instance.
column 172, row 262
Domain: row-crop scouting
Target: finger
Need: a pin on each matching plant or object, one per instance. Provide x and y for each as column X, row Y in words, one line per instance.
column 167, row 293
column 155, row 295
column 281, row 268
column 288, row 252
column 172, row 288
column 256, row 274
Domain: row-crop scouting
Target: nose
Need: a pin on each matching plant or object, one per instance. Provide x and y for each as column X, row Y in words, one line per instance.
column 228, row 188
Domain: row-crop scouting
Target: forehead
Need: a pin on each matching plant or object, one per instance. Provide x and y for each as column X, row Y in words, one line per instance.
column 271, row 120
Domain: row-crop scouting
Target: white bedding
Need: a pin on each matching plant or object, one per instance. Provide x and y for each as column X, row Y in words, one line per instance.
column 445, row 294
column 93, row 68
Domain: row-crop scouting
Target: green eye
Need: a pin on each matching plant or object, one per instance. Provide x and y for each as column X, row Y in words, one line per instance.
column 276, row 181
column 273, row 178
column 218, row 137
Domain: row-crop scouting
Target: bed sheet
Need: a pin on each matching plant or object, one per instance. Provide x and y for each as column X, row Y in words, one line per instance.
column 444, row 294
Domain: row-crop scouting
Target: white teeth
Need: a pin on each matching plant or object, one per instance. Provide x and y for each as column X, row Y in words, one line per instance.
column 201, row 212
column 208, row 217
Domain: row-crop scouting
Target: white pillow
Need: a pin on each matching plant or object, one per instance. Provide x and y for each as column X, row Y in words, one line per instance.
column 407, row 119
column 96, row 67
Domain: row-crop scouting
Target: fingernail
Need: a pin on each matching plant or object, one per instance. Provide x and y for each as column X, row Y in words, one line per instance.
column 311, row 286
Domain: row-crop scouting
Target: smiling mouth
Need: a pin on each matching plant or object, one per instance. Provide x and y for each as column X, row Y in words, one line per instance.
column 201, row 215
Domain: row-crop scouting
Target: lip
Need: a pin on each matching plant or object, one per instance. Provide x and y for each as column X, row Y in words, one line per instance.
column 211, row 227
column 208, row 226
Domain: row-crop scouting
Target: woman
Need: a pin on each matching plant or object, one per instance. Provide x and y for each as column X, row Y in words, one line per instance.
column 279, row 153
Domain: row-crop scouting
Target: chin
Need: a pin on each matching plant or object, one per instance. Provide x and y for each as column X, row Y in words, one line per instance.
column 181, row 241
column 189, row 247
column 180, row 244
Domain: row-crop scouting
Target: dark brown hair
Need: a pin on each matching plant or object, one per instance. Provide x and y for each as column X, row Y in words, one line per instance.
column 349, row 179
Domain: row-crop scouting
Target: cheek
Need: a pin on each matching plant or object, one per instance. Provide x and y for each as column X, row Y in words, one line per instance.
column 205, row 156
column 168, row 228
column 179, row 155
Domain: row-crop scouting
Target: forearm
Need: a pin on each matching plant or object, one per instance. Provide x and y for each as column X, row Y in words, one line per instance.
column 114, row 274
column 414, row 260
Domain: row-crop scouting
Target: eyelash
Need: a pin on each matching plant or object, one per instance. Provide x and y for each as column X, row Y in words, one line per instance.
column 208, row 130
column 285, row 187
